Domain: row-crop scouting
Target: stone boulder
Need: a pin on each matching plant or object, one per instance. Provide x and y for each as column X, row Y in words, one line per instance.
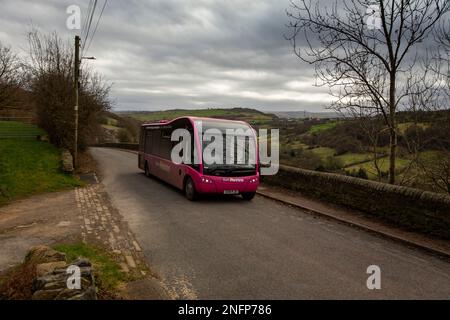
column 52, row 278
column 67, row 161
column 49, row 267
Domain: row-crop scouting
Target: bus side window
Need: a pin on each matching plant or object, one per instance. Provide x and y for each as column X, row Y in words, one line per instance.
column 156, row 137
column 194, row 165
column 165, row 146
column 148, row 142
column 166, row 133
column 141, row 140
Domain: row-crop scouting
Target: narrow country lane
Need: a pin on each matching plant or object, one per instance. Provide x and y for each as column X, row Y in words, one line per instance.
column 227, row 248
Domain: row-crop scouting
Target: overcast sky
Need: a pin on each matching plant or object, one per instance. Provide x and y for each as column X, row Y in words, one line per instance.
column 163, row 54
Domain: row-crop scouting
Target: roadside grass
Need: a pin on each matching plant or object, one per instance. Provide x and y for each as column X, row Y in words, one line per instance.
column 107, row 273
column 17, row 281
column 8, row 128
column 28, row 167
column 322, row 127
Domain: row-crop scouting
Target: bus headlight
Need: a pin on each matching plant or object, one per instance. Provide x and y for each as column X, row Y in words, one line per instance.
column 253, row 180
column 206, row 180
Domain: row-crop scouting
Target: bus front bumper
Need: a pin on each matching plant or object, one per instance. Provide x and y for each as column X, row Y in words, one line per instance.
column 227, row 185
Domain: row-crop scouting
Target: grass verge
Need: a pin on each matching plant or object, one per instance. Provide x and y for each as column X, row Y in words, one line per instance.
column 29, row 167
column 16, row 282
column 107, row 273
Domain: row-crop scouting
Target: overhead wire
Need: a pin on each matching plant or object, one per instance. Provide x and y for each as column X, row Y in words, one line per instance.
column 88, row 27
column 85, row 23
column 96, row 25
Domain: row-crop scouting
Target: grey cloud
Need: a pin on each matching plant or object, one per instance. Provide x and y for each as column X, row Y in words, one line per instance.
column 184, row 54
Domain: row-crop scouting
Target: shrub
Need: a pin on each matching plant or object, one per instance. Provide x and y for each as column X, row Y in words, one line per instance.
column 124, row 136
column 332, row 164
column 360, row 173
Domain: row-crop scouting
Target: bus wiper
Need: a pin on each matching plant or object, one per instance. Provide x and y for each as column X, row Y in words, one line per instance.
column 212, row 170
column 229, row 168
column 217, row 168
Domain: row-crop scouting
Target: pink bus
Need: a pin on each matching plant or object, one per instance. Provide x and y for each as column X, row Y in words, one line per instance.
column 197, row 177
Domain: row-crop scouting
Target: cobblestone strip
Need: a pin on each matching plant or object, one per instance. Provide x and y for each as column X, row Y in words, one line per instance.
column 101, row 224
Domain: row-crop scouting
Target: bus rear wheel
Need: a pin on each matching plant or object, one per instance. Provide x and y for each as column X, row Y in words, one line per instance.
column 248, row 195
column 189, row 190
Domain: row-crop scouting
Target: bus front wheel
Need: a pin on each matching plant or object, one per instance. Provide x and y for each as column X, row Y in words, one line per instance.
column 248, row 195
column 147, row 170
column 189, row 190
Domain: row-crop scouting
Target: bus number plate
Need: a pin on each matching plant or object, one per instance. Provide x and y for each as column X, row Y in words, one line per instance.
column 231, row 192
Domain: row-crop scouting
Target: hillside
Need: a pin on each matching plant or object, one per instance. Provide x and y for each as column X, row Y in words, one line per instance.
column 250, row 115
column 118, row 128
column 307, row 115
column 324, row 142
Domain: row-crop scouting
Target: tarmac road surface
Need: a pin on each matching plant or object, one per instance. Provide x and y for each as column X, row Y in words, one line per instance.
column 228, row 248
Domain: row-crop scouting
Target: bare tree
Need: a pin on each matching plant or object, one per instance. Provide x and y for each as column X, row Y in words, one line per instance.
column 51, row 82
column 371, row 125
column 10, row 77
column 442, row 36
column 435, row 96
column 364, row 51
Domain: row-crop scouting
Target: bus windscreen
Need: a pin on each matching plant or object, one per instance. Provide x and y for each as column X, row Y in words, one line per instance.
column 234, row 154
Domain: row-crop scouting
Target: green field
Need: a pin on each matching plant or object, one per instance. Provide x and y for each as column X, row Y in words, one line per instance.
column 383, row 164
column 249, row 115
column 297, row 145
column 323, row 152
column 110, row 127
column 402, row 127
column 322, row 127
column 28, row 166
column 348, row 159
column 111, row 122
column 311, row 144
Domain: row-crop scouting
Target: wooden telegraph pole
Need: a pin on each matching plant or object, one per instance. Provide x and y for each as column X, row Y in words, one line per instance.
column 76, row 86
